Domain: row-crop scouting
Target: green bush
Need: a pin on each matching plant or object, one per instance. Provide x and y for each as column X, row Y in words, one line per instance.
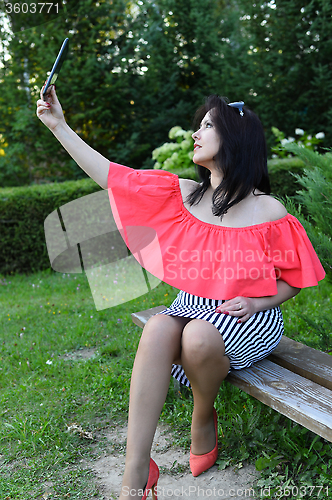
column 23, row 211
column 283, row 183
column 284, row 163
column 177, row 156
column 315, row 198
column 301, row 138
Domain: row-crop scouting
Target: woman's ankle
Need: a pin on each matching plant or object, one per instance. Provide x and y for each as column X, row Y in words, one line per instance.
column 203, row 436
column 133, row 482
column 203, row 415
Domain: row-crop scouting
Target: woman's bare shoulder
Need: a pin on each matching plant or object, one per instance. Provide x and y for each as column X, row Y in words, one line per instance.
column 271, row 207
column 187, row 186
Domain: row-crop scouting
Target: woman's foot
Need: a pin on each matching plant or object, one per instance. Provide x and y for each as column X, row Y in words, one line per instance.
column 203, row 461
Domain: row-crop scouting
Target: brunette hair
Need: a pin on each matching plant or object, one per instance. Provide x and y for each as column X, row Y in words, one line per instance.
column 242, row 156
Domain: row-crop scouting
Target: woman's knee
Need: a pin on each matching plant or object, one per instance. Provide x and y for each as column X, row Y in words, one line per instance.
column 202, row 342
column 162, row 330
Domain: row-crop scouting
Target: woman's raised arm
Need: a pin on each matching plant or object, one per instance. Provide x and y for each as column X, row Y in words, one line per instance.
column 93, row 163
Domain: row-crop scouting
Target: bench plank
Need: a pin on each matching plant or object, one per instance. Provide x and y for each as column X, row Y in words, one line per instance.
column 299, row 399
column 310, row 363
column 140, row 318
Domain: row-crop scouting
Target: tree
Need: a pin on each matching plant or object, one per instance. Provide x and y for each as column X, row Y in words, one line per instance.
column 137, row 68
column 290, row 46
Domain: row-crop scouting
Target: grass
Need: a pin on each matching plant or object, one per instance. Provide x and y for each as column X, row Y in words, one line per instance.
column 48, row 319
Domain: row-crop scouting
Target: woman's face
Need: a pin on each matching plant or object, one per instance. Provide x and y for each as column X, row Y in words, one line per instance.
column 207, row 143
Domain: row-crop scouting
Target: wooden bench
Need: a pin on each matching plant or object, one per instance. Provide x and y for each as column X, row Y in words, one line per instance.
column 295, row 380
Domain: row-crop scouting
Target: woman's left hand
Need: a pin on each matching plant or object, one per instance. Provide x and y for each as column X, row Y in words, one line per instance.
column 241, row 307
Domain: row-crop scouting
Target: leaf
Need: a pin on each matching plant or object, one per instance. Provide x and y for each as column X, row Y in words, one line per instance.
column 267, row 462
column 222, row 464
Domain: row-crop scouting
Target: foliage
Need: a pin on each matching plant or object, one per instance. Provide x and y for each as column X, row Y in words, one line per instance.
column 137, row 68
column 283, row 183
column 177, row 156
column 287, row 40
column 304, row 139
column 316, row 199
column 132, row 72
column 22, row 214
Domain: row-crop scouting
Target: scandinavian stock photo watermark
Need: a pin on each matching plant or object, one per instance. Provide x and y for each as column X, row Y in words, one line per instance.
column 201, row 492
column 225, row 264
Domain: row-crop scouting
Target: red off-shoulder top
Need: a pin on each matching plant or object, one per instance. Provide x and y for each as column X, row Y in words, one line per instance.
column 200, row 258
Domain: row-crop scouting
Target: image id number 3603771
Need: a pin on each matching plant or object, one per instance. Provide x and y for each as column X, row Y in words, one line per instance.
column 301, row 491
column 32, row 8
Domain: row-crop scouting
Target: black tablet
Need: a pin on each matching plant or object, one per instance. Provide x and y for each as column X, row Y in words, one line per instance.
column 57, row 66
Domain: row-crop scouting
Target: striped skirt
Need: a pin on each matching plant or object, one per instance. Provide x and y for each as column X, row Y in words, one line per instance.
column 245, row 343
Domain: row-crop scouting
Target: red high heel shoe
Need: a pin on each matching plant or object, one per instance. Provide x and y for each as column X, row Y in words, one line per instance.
column 201, row 463
column 152, row 480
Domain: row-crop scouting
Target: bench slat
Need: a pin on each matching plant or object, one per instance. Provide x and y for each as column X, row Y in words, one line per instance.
column 141, row 317
column 302, row 400
column 306, row 361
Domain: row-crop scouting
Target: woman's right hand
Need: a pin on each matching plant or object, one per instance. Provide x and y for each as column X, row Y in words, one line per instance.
column 50, row 111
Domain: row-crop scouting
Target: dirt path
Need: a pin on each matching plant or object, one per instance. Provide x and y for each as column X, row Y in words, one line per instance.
column 176, row 480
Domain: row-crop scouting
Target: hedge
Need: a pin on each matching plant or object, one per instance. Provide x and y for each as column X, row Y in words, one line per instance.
column 23, row 211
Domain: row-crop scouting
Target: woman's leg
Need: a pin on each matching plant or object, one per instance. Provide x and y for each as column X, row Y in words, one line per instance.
column 159, row 347
column 206, row 365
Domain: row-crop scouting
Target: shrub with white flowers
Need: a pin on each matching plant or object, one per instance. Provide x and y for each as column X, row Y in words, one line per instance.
column 301, row 138
column 176, row 156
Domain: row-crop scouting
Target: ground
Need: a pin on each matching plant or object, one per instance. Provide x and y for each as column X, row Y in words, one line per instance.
column 176, row 480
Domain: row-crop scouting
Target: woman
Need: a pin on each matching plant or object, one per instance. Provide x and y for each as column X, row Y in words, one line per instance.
column 236, row 256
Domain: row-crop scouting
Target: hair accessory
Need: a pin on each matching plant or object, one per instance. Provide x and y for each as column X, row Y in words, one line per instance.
column 239, row 105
